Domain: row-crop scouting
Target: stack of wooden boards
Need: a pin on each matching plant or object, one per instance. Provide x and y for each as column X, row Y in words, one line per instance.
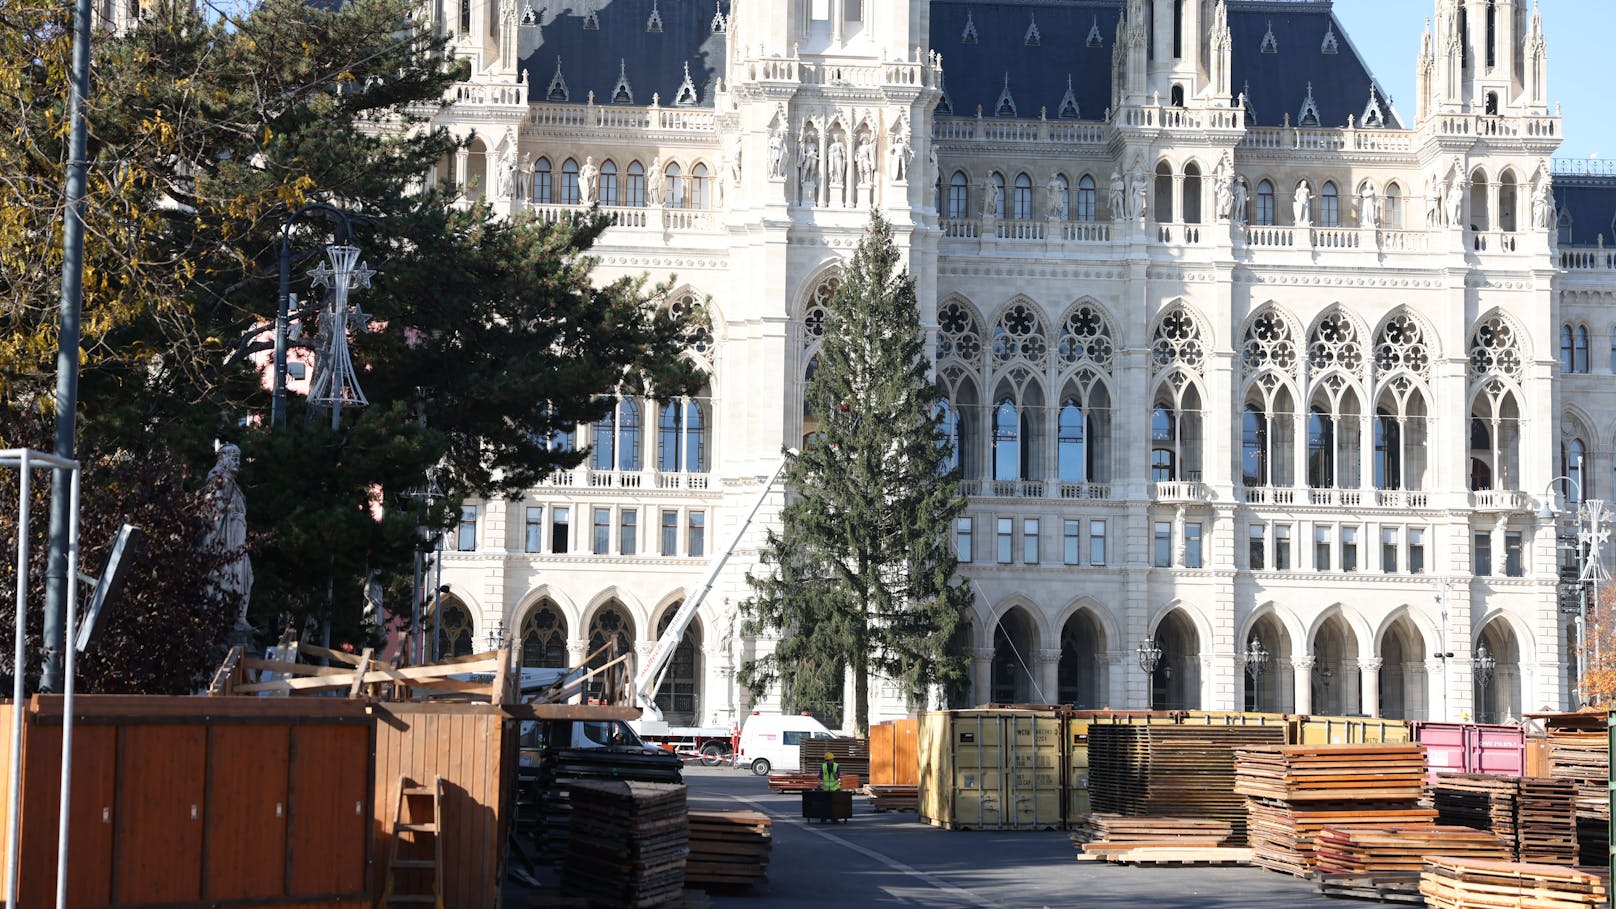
column 893, row 798
column 1293, row 792
column 628, row 843
column 1462, row 883
column 1156, row 840
column 559, row 770
column 804, row 780
column 1535, row 816
column 1172, row 771
column 728, row 848
column 1384, row 863
column 1583, row 757
column 852, row 754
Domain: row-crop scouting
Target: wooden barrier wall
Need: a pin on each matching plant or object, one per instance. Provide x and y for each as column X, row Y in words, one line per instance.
column 474, row 748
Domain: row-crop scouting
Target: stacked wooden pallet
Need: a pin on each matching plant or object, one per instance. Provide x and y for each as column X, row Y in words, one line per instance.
column 1294, row 792
column 728, row 848
column 1546, row 821
column 893, row 798
column 1483, row 801
column 802, row 781
column 1376, row 850
column 1172, row 771
column 852, row 754
column 1583, row 757
column 1459, row 883
column 1156, row 840
column 628, row 843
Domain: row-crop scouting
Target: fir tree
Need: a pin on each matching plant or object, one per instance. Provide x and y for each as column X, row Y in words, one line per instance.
column 860, row 575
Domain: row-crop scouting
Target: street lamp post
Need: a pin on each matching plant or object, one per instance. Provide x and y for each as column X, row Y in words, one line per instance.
column 1485, row 664
column 1150, row 656
column 1444, row 654
column 1256, row 663
column 1592, row 533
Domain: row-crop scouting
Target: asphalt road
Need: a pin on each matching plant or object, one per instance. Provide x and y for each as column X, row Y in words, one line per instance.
column 891, row 859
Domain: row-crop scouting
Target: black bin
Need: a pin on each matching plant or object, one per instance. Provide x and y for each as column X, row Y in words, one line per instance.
column 818, row 805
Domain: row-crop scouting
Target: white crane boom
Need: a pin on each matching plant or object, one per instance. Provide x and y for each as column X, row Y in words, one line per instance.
column 650, row 675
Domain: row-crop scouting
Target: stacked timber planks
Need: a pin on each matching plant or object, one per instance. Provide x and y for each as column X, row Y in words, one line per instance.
column 1172, row 771
column 1483, row 801
column 728, row 848
column 852, row 754
column 1156, row 840
column 893, row 798
column 1294, row 792
column 1583, row 757
column 1377, row 850
column 558, row 770
column 1546, row 821
column 628, row 843
column 1463, row 883
column 802, row 781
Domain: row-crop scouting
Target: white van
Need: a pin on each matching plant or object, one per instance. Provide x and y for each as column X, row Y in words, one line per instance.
column 769, row 740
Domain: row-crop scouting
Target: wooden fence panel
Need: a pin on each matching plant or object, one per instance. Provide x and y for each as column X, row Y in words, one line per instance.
column 330, row 810
column 90, row 829
column 162, row 771
column 246, row 813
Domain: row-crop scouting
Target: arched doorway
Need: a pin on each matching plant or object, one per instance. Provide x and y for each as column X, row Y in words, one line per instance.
column 456, row 636
column 1498, row 695
column 544, row 636
column 1404, row 689
column 1082, row 671
column 1176, row 683
column 611, row 623
column 1335, row 669
column 680, row 694
column 1270, row 690
column 1015, row 643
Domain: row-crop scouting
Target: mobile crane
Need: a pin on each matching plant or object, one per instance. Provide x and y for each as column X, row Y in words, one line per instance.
column 712, row 744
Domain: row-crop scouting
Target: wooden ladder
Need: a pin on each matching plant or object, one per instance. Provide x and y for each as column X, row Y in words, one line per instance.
column 420, row 815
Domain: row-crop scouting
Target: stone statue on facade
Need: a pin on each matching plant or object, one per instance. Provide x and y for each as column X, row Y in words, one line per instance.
column 1225, row 187
column 653, row 183
column 524, row 176
column 864, row 161
column 588, row 181
column 1368, row 206
column 1544, row 215
column 1433, row 203
column 226, row 511
column 1141, row 196
column 808, row 170
column 1241, row 194
column 1055, row 198
column 507, row 175
column 836, row 157
column 1302, row 205
column 899, row 155
column 777, row 152
column 934, row 170
column 990, row 198
column 1119, row 190
column 1455, row 200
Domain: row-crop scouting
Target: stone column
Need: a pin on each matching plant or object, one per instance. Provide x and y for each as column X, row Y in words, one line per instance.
column 981, row 675
column 1303, row 667
column 1049, row 675
column 1369, row 685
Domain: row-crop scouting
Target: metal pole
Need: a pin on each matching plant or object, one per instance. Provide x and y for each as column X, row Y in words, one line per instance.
column 437, row 603
column 68, row 686
column 67, row 352
column 413, row 641
column 18, row 660
column 277, row 406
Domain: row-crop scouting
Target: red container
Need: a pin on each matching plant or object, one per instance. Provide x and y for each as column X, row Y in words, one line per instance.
column 1472, row 748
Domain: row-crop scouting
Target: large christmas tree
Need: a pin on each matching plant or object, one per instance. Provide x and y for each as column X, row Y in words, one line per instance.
column 860, row 576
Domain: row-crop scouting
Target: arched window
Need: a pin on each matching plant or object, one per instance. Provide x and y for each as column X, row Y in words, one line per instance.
column 610, row 626
column 1086, row 204
column 1507, row 195
column 629, row 432
column 1022, row 209
column 949, row 432
column 1568, row 362
column 1581, row 358
column 998, row 195
column 1393, row 207
column 1163, row 445
column 1192, row 193
column 1388, row 450
column 569, row 182
column 681, row 437
column 608, row 183
column 1265, row 204
column 543, row 191
column 1573, row 460
column 1254, row 447
column 959, row 195
column 634, row 186
column 544, row 637
column 1320, row 448
column 1492, row 36
column 1175, row 96
column 699, row 196
column 1164, row 193
column 455, row 636
column 603, row 441
column 675, row 182
column 1073, row 443
column 680, row 694
column 1329, row 205
column 1478, row 200
column 1007, row 448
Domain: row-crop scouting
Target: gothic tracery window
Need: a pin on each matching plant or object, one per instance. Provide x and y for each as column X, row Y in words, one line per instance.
column 1178, row 357
column 544, row 637
column 455, row 633
column 1335, row 360
column 610, row 625
column 1402, row 360
column 1496, row 367
column 1267, row 425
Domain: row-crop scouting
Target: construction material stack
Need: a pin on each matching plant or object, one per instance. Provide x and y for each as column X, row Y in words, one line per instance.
column 1582, row 755
column 1294, row 792
column 1384, row 863
column 728, row 848
column 894, row 766
column 1461, row 883
column 559, row 771
column 1172, row 771
column 1481, row 801
column 1155, row 840
column 852, row 754
column 628, row 843
column 1536, row 816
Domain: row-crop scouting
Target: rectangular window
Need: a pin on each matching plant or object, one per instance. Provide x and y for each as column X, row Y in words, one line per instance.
column 1416, row 550
column 1482, row 561
column 958, row 200
column 1513, row 564
column 1085, row 200
column 603, row 531
column 533, row 529
column 608, row 187
column 696, row 546
column 1071, row 541
column 1161, row 539
column 1029, row 541
column 1349, row 549
column 1007, row 532
column 854, row 10
column 670, row 531
column 628, row 531
column 963, row 528
column 1192, row 546
column 1096, row 543
column 1388, row 550
column 1321, row 547
column 560, row 526
column 1282, row 547
column 634, row 187
column 466, row 537
column 1256, row 546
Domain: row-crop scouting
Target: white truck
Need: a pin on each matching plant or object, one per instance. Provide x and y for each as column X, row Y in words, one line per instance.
column 712, row 745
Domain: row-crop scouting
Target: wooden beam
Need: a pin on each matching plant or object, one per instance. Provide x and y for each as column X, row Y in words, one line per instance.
column 318, row 652
column 359, row 673
column 570, row 712
column 292, row 668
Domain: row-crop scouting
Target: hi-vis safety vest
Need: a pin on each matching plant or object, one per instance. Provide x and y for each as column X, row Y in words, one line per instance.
column 830, row 776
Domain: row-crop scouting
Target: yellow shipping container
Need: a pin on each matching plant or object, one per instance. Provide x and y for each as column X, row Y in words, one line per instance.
column 991, row 769
column 1347, row 730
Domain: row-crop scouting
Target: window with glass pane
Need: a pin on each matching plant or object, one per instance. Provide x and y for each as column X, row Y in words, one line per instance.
column 1321, row 547
column 1482, row 560
column 1388, row 550
column 963, row 528
column 1349, row 549
column 466, row 539
column 1162, row 545
column 1085, row 199
column 1006, row 541
column 1416, row 550
column 603, row 441
column 698, row 535
column 1192, row 545
column 608, row 183
column 1023, row 200
column 1265, row 204
column 1006, row 442
column 1329, row 207
column 1029, row 541
column 629, row 431
column 1514, row 565
column 1096, row 543
column 959, row 191
column 603, row 531
column 560, row 530
column 628, row 531
column 670, row 531
column 1072, row 451
column 569, row 182
column 634, row 185
column 1071, row 541
column 543, row 188
column 1257, row 546
column 533, row 529
column 1282, row 547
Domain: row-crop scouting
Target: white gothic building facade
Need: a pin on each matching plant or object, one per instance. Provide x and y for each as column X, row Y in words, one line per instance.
column 1238, row 354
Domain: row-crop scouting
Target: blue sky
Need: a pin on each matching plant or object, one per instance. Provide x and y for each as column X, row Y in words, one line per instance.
column 1579, row 32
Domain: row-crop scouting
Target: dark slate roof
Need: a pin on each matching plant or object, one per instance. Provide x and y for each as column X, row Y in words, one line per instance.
column 654, row 61
column 1276, row 83
column 1590, row 205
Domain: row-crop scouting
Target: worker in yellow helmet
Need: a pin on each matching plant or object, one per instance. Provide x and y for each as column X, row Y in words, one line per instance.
column 830, row 774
